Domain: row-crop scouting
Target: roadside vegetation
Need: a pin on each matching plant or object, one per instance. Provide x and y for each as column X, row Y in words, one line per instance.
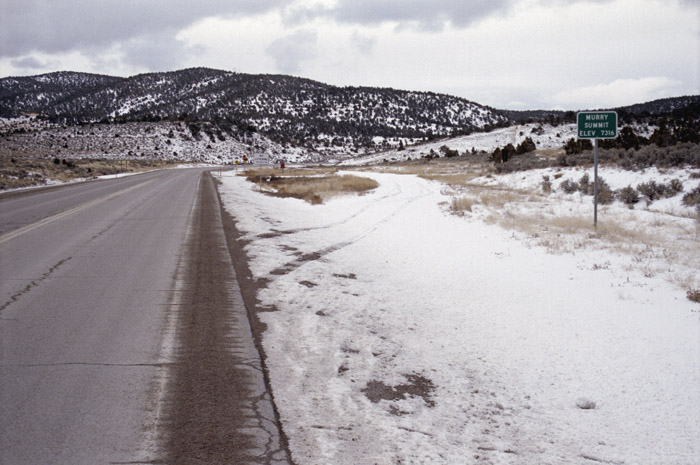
column 28, row 172
column 649, row 214
column 314, row 186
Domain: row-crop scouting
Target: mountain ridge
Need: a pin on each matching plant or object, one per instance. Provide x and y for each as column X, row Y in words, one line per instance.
column 281, row 106
column 291, row 111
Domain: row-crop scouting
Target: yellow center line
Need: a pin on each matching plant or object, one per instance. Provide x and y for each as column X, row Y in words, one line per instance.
column 30, row 227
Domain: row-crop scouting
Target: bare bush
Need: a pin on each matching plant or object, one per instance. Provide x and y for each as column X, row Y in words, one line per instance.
column 692, row 197
column 675, row 186
column 546, row 185
column 605, row 193
column 569, row 186
column 584, row 185
column 653, row 190
column 628, row 195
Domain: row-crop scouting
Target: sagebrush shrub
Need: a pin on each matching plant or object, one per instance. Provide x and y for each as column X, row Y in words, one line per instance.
column 569, row 186
column 546, row 184
column 651, row 190
column 605, row 193
column 692, row 197
column 628, row 195
column 676, row 186
column 654, row 191
column 584, row 184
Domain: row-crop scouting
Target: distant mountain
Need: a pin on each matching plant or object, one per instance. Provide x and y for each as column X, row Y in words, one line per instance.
column 45, row 91
column 287, row 109
column 663, row 106
column 637, row 113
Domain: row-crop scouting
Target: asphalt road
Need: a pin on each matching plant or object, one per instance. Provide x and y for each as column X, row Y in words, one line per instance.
column 95, row 290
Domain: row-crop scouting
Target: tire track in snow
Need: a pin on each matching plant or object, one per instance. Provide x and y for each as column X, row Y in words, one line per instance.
column 309, row 257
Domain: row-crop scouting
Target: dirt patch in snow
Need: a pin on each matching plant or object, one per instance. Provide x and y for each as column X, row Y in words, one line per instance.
column 416, row 386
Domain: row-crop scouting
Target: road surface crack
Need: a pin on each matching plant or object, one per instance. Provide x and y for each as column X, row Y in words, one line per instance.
column 32, row 284
column 214, row 410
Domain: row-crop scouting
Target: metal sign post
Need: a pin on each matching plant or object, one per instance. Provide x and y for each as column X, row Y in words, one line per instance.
column 595, row 183
column 596, row 125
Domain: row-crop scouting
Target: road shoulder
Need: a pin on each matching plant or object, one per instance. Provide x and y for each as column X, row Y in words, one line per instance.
column 218, row 405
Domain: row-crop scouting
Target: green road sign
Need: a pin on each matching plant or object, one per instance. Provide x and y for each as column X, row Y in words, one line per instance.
column 597, row 124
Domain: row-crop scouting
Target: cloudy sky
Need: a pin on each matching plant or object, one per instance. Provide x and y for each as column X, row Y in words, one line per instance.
column 515, row 54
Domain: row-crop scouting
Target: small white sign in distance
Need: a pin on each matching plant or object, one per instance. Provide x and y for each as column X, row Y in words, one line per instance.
column 261, row 159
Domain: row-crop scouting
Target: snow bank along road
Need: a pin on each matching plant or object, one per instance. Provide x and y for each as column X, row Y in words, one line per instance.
column 123, row 335
column 400, row 334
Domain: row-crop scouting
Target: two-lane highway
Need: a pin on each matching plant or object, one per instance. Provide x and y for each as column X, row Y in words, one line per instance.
column 92, row 278
column 82, row 315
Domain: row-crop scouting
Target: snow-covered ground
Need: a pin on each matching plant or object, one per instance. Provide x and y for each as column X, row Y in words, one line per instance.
column 402, row 333
column 545, row 136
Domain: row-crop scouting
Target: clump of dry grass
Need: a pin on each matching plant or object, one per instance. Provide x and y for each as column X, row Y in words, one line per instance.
column 315, row 189
column 451, row 179
column 498, row 198
column 460, row 205
column 288, row 172
column 693, row 295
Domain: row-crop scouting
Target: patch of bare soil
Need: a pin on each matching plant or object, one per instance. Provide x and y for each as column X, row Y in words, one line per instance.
column 416, row 386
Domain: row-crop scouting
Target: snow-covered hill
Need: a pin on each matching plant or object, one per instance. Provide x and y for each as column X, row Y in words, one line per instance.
column 545, row 136
column 192, row 142
column 289, row 109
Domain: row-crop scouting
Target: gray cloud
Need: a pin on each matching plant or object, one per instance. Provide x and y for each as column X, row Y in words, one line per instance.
column 430, row 16
column 290, row 51
column 160, row 51
column 29, row 63
column 69, row 25
column 365, row 44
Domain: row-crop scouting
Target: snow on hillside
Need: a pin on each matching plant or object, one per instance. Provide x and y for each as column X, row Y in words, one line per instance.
column 194, row 142
column 405, row 334
column 545, row 136
column 286, row 108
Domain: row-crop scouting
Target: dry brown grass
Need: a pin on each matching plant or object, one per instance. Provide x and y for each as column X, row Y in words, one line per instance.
column 451, row 179
column 498, row 198
column 314, row 189
column 27, row 172
column 289, row 172
column 460, row 205
column 549, row 153
column 654, row 247
column 453, row 172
